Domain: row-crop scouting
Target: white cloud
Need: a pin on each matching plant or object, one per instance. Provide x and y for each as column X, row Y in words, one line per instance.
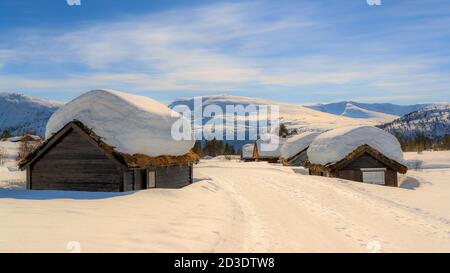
column 235, row 46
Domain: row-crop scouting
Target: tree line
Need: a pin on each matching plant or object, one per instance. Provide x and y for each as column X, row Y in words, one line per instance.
column 214, row 148
column 421, row 142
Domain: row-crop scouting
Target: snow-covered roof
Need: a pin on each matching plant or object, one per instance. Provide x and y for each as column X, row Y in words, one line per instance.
column 247, row 150
column 268, row 148
column 336, row 144
column 132, row 124
column 297, row 143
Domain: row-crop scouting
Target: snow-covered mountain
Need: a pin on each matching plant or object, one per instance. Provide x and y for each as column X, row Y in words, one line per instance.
column 379, row 112
column 354, row 111
column 21, row 114
column 294, row 116
column 433, row 122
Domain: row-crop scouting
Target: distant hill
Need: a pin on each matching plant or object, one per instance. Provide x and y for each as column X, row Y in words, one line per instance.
column 294, row 116
column 432, row 122
column 379, row 112
column 21, row 114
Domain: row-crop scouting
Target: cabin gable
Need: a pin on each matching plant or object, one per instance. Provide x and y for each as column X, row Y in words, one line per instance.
column 298, row 159
column 353, row 170
column 75, row 163
column 364, row 161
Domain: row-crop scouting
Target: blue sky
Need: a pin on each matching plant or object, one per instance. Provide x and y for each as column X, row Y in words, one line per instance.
column 294, row 51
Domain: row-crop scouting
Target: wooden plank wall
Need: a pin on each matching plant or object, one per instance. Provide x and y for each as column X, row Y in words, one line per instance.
column 353, row 170
column 173, row 177
column 128, row 180
column 364, row 161
column 299, row 159
column 73, row 163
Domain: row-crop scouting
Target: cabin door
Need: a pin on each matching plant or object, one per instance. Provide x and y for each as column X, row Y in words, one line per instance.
column 151, row 179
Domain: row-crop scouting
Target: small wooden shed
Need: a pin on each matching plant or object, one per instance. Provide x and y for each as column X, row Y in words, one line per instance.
column 247, row 152
column 294, row 150
column 297, row 160
column 271, row 156
column 364, row 164
column 77, row 159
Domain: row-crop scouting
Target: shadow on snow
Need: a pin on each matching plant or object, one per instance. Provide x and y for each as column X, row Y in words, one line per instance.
column 53, row 195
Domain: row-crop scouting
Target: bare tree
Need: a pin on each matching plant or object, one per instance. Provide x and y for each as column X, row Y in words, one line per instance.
column 3, row 155
column 26, row 147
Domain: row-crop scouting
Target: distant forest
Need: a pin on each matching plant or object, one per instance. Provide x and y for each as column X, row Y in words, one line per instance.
column 214, row 148
column 421, row 143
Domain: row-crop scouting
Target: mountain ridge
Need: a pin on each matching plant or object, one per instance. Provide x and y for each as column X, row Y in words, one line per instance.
column 20, row 114
column 338, row 108
column 431, row 122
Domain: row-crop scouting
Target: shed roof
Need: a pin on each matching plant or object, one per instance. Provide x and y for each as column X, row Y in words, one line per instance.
column 297, row 144
column 131, row 123
column 268, row 149
column 393, row 164
column 126, row 160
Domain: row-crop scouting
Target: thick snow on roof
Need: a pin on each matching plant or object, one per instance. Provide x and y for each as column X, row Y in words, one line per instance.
column 297, row 143
column 132, row 124
column 336, row 144
column 267, row 148
column 247, row 150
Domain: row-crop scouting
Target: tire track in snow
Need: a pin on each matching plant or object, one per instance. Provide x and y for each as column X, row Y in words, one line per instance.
column 254, row 234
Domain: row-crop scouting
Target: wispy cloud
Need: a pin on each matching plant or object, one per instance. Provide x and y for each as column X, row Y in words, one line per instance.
column 248, row 47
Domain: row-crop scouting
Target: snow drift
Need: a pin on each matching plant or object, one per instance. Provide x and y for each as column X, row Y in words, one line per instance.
column 132, row 124
column 297, row 143
column 336, row 144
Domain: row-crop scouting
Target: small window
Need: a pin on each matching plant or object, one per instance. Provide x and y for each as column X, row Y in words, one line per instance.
column 373, row 177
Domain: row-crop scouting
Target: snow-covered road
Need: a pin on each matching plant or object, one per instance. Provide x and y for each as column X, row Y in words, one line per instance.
column 287, row 212
column 235, row 207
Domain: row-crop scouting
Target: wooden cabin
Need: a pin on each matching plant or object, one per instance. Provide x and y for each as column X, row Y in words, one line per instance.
column 247, row 152
column 294, row 150
column 297, row 160
column 272, row 156
column 364, row 164
column 75, row 158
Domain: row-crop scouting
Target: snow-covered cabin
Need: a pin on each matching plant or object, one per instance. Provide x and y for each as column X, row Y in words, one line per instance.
column 365, row 154
column 264, row 150
column 293, row 152
column 110, row 141
column 247, row 152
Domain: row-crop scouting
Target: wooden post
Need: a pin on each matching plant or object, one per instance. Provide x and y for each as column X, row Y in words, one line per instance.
column 28, row 177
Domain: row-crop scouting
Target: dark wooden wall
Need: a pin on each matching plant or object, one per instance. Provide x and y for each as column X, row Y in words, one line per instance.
column 299, row 159
column 74, row 163
column 128, row 180
column 352, row 171
column 173, row 176
column 268, row 159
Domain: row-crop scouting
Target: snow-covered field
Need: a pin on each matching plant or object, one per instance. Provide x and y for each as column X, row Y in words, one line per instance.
column 10, row 176
column 428, row 160
column 235, row 207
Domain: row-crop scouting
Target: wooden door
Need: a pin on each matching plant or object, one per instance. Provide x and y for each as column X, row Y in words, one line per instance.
column 151, row 179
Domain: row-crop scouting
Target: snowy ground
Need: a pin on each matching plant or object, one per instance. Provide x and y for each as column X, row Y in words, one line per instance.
column 235, row 207
column 10, row 177
column 428, row 160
